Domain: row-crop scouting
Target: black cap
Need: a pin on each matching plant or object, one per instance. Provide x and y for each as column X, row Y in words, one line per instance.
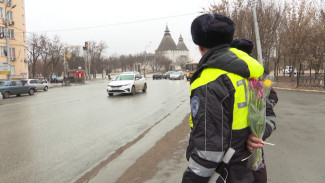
column 243, row 45
column 210, row 30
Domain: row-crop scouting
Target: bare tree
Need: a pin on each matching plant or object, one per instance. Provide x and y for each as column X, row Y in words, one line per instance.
column 95, row 51
column 163, row 61
column 35, row 48
column 181, row 61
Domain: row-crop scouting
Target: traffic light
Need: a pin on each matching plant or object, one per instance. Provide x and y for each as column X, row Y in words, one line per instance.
column 86, row 46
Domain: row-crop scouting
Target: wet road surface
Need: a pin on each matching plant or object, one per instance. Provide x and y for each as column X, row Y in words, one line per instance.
column 58, row 135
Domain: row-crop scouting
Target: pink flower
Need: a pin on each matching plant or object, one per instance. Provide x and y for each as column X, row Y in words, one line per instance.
column 260, row 83
column 259, row 93
column 253, row 83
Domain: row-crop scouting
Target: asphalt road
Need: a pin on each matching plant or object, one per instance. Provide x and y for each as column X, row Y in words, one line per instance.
column 67, row 134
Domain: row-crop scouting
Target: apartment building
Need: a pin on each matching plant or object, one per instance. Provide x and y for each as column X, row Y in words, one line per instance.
column 14, row 12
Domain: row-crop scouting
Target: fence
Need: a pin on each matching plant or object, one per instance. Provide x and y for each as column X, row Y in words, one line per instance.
column 311, row 80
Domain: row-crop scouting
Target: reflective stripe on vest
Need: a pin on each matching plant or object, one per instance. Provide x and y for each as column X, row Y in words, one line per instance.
column 240, row 104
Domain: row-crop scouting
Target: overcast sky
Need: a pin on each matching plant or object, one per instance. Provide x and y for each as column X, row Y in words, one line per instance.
column 126, row 26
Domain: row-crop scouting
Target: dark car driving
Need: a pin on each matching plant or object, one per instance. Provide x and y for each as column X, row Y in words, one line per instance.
column 167, row 75
column 157, row 75
column 15, row 87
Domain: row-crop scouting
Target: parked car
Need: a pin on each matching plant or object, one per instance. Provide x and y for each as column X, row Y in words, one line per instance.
column 127, row 82
column 176, row 75
column 15, row 87
column 288, row 70
column 157, row 75
column 55, row 79
column 59, row 79
column 39, row 84
column 167, row 74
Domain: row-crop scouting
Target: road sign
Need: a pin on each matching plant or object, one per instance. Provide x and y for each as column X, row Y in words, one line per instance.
column 4, row 68
column 69, row 55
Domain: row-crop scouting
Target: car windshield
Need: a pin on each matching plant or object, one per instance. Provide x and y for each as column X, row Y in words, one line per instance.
column 124, row 77
column 4, row 83
column 24, row 81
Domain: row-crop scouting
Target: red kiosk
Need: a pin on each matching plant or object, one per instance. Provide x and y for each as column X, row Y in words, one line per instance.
column 76, row 76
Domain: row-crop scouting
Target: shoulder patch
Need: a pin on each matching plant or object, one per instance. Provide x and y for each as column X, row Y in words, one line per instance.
column 195, row 105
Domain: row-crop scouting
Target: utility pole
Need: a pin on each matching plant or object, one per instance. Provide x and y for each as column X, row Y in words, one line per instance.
column 64, row 63
column 257, row 33
column 145, row 56
column 86, row 70
column 86, row 49
column 7, row 35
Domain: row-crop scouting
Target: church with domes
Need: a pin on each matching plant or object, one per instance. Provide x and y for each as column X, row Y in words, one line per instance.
column 169, row 49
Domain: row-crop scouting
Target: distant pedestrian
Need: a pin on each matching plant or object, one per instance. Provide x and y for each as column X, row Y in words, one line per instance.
column 261, row 174
column 219, row 104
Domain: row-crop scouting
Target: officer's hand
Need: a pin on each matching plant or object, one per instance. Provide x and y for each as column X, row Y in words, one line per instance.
column 253, row 142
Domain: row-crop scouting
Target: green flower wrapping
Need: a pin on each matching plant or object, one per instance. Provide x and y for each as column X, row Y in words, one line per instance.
column 258, row 92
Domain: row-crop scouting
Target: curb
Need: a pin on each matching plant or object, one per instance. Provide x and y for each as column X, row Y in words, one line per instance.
column 297, row 89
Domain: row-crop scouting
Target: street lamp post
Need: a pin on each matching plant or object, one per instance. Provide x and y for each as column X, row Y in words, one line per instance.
column 257, row 33
column 7, row 35
column 145, row 56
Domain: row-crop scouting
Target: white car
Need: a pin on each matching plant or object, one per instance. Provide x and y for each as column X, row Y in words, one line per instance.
column 39, row 84
column 127, row 82
column 288, row 70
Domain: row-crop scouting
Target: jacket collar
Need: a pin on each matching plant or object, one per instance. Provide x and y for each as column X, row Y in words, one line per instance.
column 220, row 57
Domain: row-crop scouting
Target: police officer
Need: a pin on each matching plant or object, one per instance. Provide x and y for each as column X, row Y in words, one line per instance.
column 219, row 103
column 260, row 175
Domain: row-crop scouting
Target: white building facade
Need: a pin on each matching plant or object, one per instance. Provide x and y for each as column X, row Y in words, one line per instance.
column 169, row 49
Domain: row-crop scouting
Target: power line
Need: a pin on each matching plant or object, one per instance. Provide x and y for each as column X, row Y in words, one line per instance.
column 115, row 24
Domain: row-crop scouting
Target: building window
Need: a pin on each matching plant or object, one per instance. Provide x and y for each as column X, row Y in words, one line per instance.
column 24, row 36
column 2, row 29
column 12, row 69
column 10, row 16
column 1, row 12
column 3, row 51
column 22, row 3
column 23, row 20
column 11, row 34
column 12, row 52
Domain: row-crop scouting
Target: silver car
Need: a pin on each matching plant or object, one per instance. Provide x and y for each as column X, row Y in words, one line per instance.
column 39, row 84
column 176, row 75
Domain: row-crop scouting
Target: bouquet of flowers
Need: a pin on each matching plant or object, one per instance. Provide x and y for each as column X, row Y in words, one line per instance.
column 258, row 92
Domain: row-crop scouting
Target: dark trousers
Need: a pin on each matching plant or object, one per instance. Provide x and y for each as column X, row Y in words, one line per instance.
column 260, row 175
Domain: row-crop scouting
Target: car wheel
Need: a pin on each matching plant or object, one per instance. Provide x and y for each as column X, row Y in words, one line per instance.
column 144, row 88
column 46, row 88
column 110, row 94
column 18, row 95
column 31, row 92
column 133, row 90
column 5, row 95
